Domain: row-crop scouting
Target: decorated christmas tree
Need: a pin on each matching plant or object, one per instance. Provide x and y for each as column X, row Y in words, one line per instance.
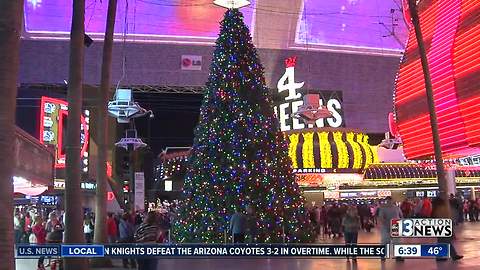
column 239, row 157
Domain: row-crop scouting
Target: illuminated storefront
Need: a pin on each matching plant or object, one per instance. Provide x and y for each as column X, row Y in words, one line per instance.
column 33, row 169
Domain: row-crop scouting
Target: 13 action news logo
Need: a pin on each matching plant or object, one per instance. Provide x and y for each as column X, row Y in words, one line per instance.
column 421, row 227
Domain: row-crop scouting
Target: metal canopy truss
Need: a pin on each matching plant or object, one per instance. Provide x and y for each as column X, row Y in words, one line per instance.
column 198, row 90
column 146, row 89
column 61, row 87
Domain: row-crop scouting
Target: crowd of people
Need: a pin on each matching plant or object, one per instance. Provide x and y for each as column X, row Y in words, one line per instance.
column 334, row 220
column 330, row 220
column 32, row 226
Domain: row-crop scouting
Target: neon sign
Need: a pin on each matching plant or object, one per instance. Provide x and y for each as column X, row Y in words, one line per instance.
column 451, row 33
column 290, row 95
column 53, row 120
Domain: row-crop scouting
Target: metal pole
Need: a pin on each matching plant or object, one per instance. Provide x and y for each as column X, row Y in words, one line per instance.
column 132, row 170
column 442, row 181
column 132, row 177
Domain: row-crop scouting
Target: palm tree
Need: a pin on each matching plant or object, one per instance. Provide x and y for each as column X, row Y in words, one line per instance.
column 442, row 180
column 73, row 193
column 102, row 123
column 10, row 29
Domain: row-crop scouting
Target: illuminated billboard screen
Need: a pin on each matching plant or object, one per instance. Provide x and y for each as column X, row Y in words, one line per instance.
column 451, row 31
column 144, row 18
column 53, row 122
column 352, row 24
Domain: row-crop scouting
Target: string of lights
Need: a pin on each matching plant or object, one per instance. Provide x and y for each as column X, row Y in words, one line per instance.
column 239, row 156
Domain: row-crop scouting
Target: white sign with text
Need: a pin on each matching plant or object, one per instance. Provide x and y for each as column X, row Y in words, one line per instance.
column 291, row 99
column 139, row 191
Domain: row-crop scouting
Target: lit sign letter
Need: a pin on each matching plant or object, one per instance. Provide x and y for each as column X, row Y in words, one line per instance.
column 283, row 116
column 296, row 122
column 320, row 122
column 336, row 119
column 289, row 76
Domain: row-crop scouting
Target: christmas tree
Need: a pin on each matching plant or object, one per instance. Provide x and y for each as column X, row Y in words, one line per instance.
column 239, row 157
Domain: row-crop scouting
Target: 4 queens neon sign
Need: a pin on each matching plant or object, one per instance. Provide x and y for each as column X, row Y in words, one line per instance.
column 289, row 99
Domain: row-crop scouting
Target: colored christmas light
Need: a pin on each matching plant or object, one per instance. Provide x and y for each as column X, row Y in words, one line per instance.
column 239, row 156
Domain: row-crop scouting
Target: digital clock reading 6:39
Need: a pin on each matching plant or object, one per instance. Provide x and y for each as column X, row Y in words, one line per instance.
column 407, row 251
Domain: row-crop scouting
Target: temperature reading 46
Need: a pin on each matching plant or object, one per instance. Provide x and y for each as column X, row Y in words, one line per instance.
column 436, row 250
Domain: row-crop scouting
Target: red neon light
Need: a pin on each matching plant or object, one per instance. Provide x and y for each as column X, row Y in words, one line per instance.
column 451, row 31
column 110, row 196
column 61, row 114
column 392, row 125
column 60, row 154
column 109, row 169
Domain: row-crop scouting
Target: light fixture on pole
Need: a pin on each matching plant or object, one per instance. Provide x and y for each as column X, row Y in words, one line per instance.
column 124, row 108
column 231, row 4
column 131, row 141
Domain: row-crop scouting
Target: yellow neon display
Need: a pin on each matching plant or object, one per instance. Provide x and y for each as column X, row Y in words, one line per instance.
column 363, row 141
column 375, row 153
column 307, row 150
column 358, row 159
column 357, row 151
column 292, row 149
column 343, row 159
column 325, row 150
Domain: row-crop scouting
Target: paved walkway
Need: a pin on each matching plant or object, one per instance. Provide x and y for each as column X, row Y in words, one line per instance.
column 467, row 244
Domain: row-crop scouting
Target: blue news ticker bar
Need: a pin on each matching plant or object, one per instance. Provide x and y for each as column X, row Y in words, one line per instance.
column 204, row 250
column 435, row 250
column 83, row 251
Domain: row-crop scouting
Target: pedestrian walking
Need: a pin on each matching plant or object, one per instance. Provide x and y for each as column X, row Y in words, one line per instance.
column 126, row 235
column 112, row 230
column 386, row 213
column 88, row 228
column 17, row 227
column 426, row 210
column 147, row 232
column 39, row 238
column 440, row 210
column 54, row 229
column 454, row 208
column 238, row 226
column 351, row 225
column 407, row 208
column 252, row 224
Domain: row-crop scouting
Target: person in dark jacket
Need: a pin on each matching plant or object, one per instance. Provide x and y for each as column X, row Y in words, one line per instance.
column 252, row 224
column 471, row 210
column 238, row 226
column 351, row 225
column 334, row 218
column 148, row 232
column 454, row 208
column 440, row 210
column 459, row 199
column 126, row 233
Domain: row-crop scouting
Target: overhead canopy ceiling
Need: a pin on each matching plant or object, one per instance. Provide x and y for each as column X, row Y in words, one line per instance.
column 358, row 25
